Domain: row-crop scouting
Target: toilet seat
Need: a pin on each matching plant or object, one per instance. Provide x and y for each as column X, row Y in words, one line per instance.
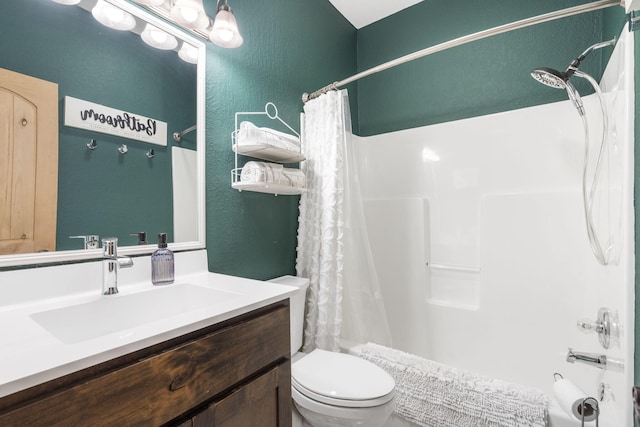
column 343, row 380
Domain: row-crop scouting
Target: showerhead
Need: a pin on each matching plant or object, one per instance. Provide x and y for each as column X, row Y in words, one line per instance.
column 550, row 77
column 560, row 79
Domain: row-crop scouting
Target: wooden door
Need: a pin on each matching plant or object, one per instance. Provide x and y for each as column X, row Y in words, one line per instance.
column 28, row 163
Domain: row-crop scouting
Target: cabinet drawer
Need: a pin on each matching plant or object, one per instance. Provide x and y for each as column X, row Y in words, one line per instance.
column 159, row 388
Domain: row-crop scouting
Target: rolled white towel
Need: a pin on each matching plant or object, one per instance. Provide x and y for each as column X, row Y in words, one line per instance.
column 250, row 134
column 293, row 177
column 268, row 173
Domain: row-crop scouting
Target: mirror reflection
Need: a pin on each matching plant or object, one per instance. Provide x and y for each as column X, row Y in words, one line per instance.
column 107, row 185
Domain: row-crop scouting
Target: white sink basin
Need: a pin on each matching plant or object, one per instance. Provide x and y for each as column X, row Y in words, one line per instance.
column 120, row 312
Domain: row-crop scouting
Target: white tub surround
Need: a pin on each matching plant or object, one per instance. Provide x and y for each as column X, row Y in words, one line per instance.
column 490, row 267
column 32, row 352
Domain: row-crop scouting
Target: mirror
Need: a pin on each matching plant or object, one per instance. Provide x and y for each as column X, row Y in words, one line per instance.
column 105, row 191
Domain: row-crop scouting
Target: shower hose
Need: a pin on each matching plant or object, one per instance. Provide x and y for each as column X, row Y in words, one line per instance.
column 588, row 191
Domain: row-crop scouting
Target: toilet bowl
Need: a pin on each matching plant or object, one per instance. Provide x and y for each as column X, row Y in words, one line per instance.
column 334, row 389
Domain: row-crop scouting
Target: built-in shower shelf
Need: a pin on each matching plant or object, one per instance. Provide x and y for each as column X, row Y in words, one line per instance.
column 454, row 286
column 456, row 268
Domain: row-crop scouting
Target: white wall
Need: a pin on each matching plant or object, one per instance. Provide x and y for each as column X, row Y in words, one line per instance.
column 479, row 239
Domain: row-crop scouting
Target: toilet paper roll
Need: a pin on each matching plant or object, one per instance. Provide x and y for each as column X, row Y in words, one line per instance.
column 570, row 399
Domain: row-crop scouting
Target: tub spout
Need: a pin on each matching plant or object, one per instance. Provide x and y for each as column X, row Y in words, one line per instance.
column 597, row 360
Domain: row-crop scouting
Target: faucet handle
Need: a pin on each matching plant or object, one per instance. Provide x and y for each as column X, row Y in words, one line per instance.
column 92, row 241
column 606, row 326
column 110, row 247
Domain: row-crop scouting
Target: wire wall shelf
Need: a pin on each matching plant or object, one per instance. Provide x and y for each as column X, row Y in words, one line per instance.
column 272, row 146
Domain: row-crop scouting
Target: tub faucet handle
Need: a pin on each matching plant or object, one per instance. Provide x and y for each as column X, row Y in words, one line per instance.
column 606, row 326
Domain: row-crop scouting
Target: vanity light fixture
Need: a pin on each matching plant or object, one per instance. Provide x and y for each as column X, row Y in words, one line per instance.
column 112, row 16
column 225, row 29
column 190, row 14
column 188, row 53
column 157, row 38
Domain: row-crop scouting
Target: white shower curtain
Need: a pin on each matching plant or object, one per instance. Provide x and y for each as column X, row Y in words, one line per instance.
column 344, row 299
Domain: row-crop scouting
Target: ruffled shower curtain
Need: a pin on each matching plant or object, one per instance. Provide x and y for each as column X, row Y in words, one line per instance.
column 344, row 299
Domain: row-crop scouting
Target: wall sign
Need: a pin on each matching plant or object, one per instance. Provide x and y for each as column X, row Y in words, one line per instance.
column 99, row 118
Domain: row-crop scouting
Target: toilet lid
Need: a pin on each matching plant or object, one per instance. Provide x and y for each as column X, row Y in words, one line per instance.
column 341, row 376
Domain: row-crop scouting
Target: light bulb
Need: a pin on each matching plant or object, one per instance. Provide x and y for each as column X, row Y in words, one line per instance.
column 225, row 34
column 188, row 14
column 188, row 53
column 67, row 2
column 157, row 38
column 225, row 30
column 112, row 16
column 115, row 15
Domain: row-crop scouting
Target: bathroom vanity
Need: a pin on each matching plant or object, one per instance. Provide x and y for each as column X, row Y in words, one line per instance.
column 213, row 364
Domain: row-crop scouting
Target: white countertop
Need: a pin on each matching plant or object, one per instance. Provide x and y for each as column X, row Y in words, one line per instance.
column 30, row 355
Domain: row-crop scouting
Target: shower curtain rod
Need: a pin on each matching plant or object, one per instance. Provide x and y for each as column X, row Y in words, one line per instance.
column 551, row 16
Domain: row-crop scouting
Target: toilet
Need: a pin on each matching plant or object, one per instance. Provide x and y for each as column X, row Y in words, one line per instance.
column 334, row 389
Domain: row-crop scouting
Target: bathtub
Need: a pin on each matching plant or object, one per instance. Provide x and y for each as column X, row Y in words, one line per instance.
column 557, row 416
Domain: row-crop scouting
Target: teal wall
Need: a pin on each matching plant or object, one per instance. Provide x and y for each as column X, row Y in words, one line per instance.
column 483, row 77
column 290, row 47
column 102, row 192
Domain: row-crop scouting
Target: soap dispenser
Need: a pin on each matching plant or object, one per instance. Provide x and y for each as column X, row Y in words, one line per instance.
column 162, row 271
column 142, row 237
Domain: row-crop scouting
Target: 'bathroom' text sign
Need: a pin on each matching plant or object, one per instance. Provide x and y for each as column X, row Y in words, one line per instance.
column 99, row 118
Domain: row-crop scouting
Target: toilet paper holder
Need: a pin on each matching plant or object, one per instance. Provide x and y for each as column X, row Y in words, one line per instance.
column 583, row 408
column 595, row 407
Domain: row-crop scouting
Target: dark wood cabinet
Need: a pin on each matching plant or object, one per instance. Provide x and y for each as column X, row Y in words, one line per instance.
column 237, row 373
column 261, row 402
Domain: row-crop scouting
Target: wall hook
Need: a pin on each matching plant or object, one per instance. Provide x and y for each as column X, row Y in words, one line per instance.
column 150, row 154
column 92, row 145
column 123, row 149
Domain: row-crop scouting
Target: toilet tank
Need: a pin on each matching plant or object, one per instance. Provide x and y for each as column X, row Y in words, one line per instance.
column 296, row 308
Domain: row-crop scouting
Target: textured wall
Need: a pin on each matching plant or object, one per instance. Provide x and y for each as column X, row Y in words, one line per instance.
column 482, row 77
column 290, row 47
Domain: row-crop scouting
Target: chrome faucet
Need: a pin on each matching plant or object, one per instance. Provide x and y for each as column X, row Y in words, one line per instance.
column 110, row 264
column 597, row 360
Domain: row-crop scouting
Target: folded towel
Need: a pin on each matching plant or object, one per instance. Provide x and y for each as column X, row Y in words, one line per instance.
column 431, row 394
column 250, row 134
column 272, row 173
